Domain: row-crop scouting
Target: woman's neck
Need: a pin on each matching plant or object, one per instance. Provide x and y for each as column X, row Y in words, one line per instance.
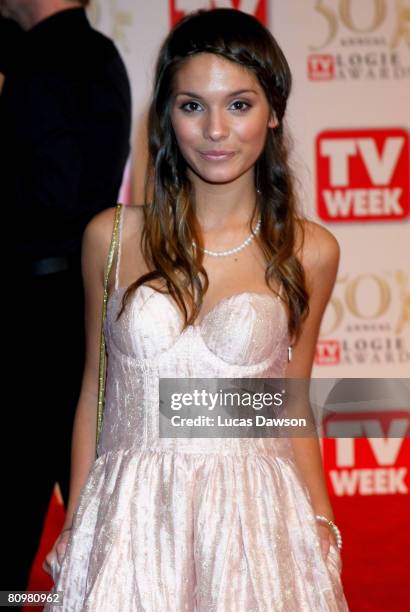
column 219, row 205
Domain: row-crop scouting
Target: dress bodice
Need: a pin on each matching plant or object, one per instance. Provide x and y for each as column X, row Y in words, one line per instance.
column 243, row 336
column 245, row 330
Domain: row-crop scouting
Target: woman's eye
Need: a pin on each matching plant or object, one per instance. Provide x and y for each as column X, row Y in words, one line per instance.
column 240, row 105
column 190, row 107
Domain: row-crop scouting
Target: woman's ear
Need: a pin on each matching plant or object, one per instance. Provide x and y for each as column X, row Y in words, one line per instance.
column 273, row 120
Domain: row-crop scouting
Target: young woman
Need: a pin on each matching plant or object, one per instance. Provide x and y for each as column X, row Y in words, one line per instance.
column 216, row 275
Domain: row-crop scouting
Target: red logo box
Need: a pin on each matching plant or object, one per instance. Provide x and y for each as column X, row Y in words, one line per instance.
column 390, row 423
column 327, row 352
column 363, row 175
column 179, row 8
column 321, row 67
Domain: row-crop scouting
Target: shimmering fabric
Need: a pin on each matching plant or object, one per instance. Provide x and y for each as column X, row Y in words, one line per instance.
column 193, row 525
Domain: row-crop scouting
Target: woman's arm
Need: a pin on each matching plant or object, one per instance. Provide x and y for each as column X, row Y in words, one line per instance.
column 95, row 248
column 320, row 259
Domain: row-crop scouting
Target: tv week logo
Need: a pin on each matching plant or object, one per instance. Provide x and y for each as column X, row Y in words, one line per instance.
column 321, row 67
column 257, row 8
column 371, row 453
column 363, row 175
column 327, row 352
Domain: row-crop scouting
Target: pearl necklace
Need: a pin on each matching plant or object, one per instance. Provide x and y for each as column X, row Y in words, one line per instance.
column 236, row 249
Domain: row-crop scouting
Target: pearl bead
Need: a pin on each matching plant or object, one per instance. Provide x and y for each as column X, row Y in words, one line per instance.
column 235, row 249
column 333, row 527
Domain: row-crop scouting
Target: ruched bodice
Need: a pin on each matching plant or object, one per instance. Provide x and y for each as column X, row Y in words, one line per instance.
column 245, row 330
column 244, row 335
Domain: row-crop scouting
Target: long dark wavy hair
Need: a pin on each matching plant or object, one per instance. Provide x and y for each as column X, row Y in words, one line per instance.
column 170, row 223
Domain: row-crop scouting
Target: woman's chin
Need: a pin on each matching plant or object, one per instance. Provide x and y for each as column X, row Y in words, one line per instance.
column 216, row 178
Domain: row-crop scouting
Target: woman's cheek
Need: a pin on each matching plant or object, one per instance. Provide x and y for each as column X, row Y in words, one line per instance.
column 252, row 132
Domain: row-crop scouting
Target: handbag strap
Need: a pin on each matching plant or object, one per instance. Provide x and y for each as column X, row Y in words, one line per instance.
column 102, row 365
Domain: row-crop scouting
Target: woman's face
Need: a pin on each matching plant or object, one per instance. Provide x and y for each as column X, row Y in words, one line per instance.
column 220, row 117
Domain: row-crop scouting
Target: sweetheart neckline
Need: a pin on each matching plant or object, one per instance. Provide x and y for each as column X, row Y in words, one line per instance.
column 259, row 294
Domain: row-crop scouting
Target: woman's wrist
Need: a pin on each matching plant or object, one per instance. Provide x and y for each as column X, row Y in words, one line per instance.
column 326, row 522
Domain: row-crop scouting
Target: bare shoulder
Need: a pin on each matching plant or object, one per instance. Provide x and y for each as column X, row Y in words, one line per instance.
column 98, row 232
column 104, row 220
column 97, row 240
column 317, row 248
column 99, row 229
column 96, row 244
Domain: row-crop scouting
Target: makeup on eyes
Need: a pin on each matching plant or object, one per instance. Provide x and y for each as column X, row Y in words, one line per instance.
column 246, row 106
column 233, row 97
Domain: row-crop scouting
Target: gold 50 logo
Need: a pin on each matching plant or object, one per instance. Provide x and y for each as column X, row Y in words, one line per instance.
column 342, row 12
column 350, row 297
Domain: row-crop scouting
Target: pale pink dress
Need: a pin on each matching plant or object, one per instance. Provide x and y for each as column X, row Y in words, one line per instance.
column 199, row 524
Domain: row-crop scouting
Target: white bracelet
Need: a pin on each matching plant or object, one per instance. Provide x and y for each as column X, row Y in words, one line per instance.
column 333, row 527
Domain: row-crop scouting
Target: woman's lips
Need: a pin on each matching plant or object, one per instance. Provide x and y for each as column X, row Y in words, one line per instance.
column 217, row 155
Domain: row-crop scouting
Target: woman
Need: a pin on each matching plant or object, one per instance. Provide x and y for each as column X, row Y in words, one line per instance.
column 216, row 277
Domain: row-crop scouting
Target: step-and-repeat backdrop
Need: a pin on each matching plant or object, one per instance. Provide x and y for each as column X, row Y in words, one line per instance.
column 349, row 116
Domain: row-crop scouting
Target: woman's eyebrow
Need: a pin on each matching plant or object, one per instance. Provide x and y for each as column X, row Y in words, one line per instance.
column 239, row 92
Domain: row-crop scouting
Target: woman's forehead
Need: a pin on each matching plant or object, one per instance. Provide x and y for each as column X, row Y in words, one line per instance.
column 211, row 72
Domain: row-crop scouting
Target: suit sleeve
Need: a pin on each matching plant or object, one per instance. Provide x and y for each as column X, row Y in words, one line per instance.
column 54, row 157
column 79, row 146
column 10, row 37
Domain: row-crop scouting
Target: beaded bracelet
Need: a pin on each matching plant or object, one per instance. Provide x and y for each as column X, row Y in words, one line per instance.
column 333, row 527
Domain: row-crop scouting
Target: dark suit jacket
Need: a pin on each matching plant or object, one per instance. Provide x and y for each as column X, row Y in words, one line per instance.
column 65, row 117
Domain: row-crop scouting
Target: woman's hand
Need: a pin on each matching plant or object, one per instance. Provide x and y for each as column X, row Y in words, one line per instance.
column 326, row 538
column 58, row 551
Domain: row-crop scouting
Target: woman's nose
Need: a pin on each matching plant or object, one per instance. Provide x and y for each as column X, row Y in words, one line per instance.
column 216, row 127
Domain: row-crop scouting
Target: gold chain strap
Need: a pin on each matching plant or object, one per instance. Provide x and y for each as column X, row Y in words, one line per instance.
column 102, row 366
